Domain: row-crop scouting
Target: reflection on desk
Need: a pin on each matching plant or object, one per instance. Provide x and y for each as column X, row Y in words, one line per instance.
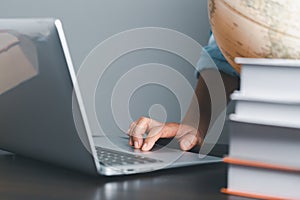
column 23, row 178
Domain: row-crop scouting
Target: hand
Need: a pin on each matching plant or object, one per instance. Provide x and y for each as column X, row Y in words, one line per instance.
column 188, row 136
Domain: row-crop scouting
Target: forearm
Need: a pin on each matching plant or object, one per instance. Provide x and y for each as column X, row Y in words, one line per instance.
column 202, row 101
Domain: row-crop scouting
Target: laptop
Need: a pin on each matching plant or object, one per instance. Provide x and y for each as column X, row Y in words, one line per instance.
column 42, row 112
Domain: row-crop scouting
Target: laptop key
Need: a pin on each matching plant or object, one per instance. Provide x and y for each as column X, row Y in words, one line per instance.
column 111, row 157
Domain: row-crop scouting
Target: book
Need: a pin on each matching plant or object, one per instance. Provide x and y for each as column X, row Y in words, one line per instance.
column 265, row 131
column 264, row 142
column 282, row 111
column 261, row 180
column 270, row 78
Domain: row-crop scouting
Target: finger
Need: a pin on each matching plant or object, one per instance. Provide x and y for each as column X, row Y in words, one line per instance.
column 137, row 132
column 130, row 142
column 139, row 128
column 129, row 133
column 137, row 136
column 132, row 125
column 188, row 141
column 168, row 130
column 154, row 134
column 151, row 123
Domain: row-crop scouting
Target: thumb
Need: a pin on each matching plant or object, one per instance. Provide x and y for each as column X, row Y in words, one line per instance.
column 188, row 141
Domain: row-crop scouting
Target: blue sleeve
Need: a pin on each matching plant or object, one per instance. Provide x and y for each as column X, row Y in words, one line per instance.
column 213, row 53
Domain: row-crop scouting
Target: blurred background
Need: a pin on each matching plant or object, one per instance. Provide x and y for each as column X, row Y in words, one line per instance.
column 87, row 23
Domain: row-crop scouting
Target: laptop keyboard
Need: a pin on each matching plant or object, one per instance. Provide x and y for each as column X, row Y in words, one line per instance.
column 111, row 157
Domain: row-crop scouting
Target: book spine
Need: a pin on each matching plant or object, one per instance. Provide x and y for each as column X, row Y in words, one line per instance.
column 252, row 195
column 261, row 81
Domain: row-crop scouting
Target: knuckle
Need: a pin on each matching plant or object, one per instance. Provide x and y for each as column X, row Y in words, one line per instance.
column 133, row 124
column 142, row 119
column 137, row 136
column 149, row 139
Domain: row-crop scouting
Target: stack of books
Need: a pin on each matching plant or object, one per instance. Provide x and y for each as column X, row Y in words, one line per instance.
column 264, row 152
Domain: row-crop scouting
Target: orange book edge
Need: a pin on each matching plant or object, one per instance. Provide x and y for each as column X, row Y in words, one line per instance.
column 251, row 195
column 250, row 163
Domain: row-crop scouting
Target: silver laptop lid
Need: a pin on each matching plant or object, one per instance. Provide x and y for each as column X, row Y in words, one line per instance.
column 36, row 86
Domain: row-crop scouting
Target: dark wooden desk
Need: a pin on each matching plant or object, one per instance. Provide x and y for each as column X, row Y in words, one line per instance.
column 22, row 178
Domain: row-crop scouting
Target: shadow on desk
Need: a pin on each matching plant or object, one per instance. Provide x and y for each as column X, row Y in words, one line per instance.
column 23, row 178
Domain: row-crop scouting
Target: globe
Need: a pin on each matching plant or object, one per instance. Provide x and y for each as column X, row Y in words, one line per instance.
column 256, row 28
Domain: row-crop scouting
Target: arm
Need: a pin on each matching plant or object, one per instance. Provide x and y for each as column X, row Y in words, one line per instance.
column 187, row 134
column 231, row 83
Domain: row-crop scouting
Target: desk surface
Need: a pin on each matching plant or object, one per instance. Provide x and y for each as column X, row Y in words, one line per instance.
column 22, row 178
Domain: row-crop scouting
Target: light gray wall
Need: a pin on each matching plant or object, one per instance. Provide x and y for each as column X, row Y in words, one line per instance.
column 88, row 22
